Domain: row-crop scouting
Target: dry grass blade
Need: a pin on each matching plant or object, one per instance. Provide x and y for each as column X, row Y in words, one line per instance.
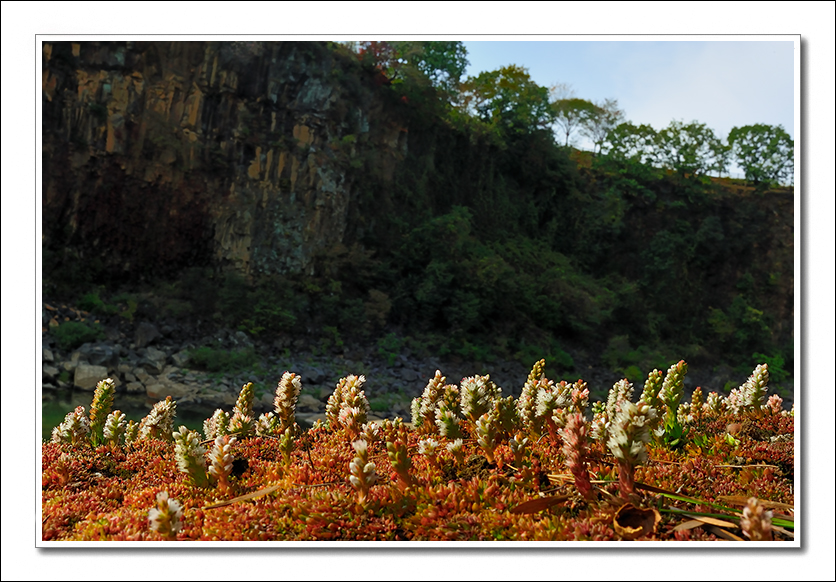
column 690, row 524
column 560, row 479
column 247, row 497
column 538, row 505
column 721, row 533
column 745, row 466
column 713, row 521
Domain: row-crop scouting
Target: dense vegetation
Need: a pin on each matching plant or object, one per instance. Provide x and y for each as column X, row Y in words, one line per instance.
column 495, row 238
column 472, row 465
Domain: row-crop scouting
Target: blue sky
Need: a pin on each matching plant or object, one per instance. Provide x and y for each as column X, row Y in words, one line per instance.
column 720, row 83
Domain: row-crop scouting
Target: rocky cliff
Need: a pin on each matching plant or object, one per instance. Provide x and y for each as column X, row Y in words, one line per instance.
column 159, row 155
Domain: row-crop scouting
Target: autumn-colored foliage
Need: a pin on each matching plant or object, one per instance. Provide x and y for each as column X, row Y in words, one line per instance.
column 388, row 481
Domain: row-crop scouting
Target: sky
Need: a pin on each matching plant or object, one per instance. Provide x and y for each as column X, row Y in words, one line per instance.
column 720, row 83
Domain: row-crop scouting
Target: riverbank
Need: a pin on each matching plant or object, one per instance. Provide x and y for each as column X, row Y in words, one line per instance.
column 150, row 360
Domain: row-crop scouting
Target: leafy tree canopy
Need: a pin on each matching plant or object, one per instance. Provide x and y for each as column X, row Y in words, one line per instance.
column 441, row 63
column 508, row 99
column 570, row 115
column 764, row 152
column 630, row 142
column 603, row 117
column 691, row 148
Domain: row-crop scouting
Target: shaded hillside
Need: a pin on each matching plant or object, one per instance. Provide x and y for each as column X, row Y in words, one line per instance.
column 295, row 188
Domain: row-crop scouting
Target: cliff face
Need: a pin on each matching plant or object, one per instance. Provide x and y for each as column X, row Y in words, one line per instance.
column 158, row 155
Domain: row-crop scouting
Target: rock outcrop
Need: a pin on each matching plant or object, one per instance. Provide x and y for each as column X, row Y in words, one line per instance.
column 160, row 155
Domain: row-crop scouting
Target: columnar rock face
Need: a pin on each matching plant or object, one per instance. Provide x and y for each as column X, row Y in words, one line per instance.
column 160, row 155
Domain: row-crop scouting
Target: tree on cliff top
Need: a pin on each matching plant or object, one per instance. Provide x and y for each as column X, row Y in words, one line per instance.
column 508, row 99
column 439, row 63
column 691, row 148
column 602, row 118
column 570, row 115
column 765, row 152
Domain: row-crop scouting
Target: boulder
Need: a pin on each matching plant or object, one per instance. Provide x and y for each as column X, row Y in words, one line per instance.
column 88, row 375
column 141, row 374
column 47, row 356
column 99, row 355
column 180, row 359
column 309, row 403
column 160, row 390
column 314, row 376
column 145, row 334
column 135, row 387
column 154, row 360
column 49, row 373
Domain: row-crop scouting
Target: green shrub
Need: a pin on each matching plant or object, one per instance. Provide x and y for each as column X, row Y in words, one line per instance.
column 389, row 347
column 219, row 360
column 72, row 334
column 90, row 302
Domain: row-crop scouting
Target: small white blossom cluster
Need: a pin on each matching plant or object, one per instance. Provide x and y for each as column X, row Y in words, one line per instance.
column 545, row 400
column 752, row 394
column 190, row 455
column 527, row 402
column 131, row 432
column 714, row 403
column 630, row 432
column 448, row 422
column 75, row 428
column 371, row 432
column 99, row 409
column 477, row 396
column 683, row 414
column 363, row 474
column 287, row 395
column 456, row 448
column 621, row 391
column 216, row 425
column 159, row 423
column 266, row 425
column 242, row 422
column 735, row 401
column 167, row 517
column 580, row 397
column 673, row 387
column 756, row 522
column 428, row 447
column 221, row 459
column 486, row 435
column 348, row 395
column 114, row 427
column 775, row 404
column 424, row 407
column 600, row 422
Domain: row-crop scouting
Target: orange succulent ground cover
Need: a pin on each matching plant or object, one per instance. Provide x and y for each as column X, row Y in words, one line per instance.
column 730, row 477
